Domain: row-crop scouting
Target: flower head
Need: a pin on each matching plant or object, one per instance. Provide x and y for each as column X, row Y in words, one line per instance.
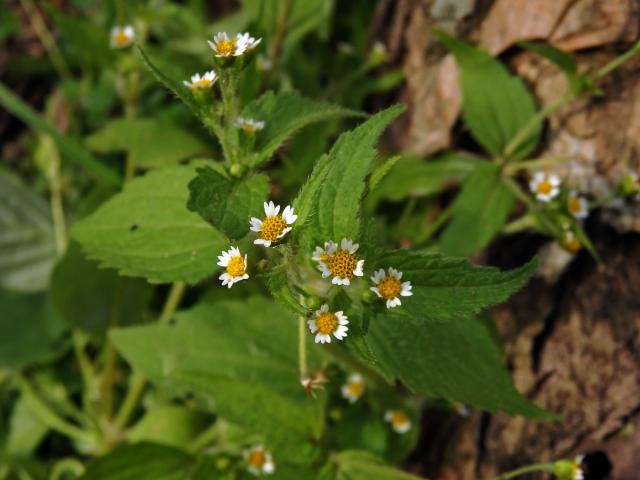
column 122, row 37
column 398, row 420
column 570, row 242
column 389, row 287
column 569, row 469
column 248, row 42
column 544, row 187
column 353, row 389
column 577, row 206
column 325, row 323
column 249, row 125
column 201, row 82
column 341, row 263
column 274, row 226
column 223, row 46
column 235, row 264
column 259, row 461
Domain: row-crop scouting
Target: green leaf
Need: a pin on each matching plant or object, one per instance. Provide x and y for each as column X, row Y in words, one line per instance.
column 305, row 203
column 559, row 57
column 285, row 113
column 279, row 286
column 226, row 203
column 92, row 298
column 242, row 360
column 447, row 289
column 144, row 461
column 25, row 432
column 340, row 191
column 27, row 246
column 456, row 360
column 479, row 212
column 171, row 425
column 149, row 142
column 361, row 465
column 417, row 177
column 496, row 104
column 30, row 329
column 147, row 231
column 72, row 150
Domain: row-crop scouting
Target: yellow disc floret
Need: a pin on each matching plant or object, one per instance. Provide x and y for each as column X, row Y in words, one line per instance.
column 574, row 205
column 355, row 389
column 544, row 187
column 389, row 287
column 226, row 47
column 121, row 39
column 236, row 267
column 272, row 228
column 342, row 264
column 257, row 459
column 327, row 323
column 398, row 419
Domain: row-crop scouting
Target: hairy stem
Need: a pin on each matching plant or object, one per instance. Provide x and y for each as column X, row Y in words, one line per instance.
column 302, row 348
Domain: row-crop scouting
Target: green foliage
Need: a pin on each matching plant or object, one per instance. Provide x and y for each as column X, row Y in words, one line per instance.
column 286, row 113
column 92, row 298
column 479, row 212
column 27, row 247
column 496, row 104
column 341, row 185
column 360, row 465
column 242, row 359
column 147, row 231
column 227, row 203
column 149, row 142
column 171, row 425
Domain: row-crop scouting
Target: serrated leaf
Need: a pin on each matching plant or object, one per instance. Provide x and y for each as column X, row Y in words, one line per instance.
column 171, row 425
column 305, row 203
column 227, row 204
column 496, row 105
column 447, row 289
column 27, row 245
column 149, row 142
column 479, row 212
column 242, row 356
column 455, row 360
column 279, row 287
column 147, row 231
column 90, row 298
column 285, row 113
column 348, row 166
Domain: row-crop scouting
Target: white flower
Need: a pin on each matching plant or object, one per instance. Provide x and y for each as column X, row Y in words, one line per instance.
column 235, row 264
column 274, row 226
column 327, row 323
column 577, row 206
column 389, row 287
column 249, row 125
column 223, row 46
column 259, row 461
column 341, row 263
column 544, row 187
column 354, row 388
column 578, row 473
column 398, row 420
column 122, row 37
column 197, row 82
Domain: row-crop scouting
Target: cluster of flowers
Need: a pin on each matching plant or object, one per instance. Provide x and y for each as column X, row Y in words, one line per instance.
column 339, row 262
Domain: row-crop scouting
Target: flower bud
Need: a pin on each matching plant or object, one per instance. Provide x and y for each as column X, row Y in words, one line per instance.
column 236, row 170
column 628, row 185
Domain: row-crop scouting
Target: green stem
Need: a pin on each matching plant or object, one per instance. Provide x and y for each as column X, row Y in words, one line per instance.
column 50, row 418
column 281, row 30
column 539, row 467
column 617, row 62
column 522, row 135
column 519, row 224
column 208, row 436
column 440, row 220
column 55, row 200
column 230, row 139
column 67, row 465
column 534, row 164
column 302, row 348
column 86, row 369
column 173, row 301
column 514, row 188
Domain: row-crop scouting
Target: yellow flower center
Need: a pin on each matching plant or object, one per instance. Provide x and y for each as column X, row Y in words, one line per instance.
column 249, row 128
column 121, row 39
column 572, row 245
column 544, row 187
column 226, row 47
column 202, row 83
column 355, row 389
column 236, row 266
column 342, row 264
column 399, row 419
column 389, row 287
column 327, row 323
column 272, row 228
column 257, row 459
column 574, row 205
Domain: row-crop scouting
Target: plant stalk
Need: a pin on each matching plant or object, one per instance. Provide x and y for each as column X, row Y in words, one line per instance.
column 539, row 467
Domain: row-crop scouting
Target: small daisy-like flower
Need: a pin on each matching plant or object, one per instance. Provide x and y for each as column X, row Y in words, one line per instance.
column 544, row 187
column 398, row 420
column 274, row 226
column 247, row 41
column 201, row 82
column 570, row 242
column 259, row 461
column 354, row 388
column 389, row 287
column 577, row 206
column 235, row 264
column 341, row 263
column 223, row 46
column 122, row 37
column 249, row 125
column 325, row 323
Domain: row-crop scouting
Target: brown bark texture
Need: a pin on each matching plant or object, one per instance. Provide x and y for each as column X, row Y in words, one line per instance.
column 572, row 337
